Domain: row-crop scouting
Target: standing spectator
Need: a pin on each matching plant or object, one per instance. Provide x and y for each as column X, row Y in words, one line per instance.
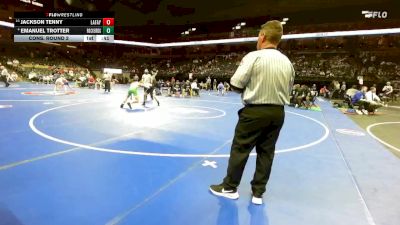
column 208, row 84
column 136, row 77
column 173, row 81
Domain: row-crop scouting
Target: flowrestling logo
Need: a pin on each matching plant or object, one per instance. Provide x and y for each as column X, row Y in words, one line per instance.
column 375, row 14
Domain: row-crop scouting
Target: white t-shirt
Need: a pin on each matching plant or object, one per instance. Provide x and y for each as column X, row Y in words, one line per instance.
column 370, row 96
column 4, row 72
column 194, row 85
column 146, row 79
column 107, row 76
column 32, row 75
column 387, row 89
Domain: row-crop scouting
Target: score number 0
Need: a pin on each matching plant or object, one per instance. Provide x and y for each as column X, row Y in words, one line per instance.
column 108, row 21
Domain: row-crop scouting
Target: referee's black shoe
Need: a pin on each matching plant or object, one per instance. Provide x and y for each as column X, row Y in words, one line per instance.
column 220, row 190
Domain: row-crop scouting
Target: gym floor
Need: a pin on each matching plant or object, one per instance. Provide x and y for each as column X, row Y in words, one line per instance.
column 79, row 159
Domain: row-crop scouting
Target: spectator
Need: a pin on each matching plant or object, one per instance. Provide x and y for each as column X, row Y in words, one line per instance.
column 324, row 92
column 4, row 76
column 195, row 88
column 387, row 91
column 372, row 100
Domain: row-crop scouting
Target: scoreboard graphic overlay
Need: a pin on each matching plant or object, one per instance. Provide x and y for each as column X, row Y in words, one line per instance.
column 64, row 27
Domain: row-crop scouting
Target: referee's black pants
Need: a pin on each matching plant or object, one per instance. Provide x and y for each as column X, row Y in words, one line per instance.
column 150, row 91
column 107, row 86
column 258, row 126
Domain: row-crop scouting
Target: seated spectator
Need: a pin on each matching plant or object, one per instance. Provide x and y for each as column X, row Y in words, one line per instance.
column 387, row 91
column 32, row 75
column 314, row 88
column 91, row 82
column 81, row 82
column 13, row 76
column 313, row 95
column 186, row 86
column 343, row 90
column 293, row 94
column 202, row 85
column 195, row 88
column 175, row 90
column 324, row 92
column 99, row 84
column 4, row 76
column 303, row 97
column 335, row 89
column 396, row 91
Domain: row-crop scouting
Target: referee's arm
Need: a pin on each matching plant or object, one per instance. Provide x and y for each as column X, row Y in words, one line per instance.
column 242, row 75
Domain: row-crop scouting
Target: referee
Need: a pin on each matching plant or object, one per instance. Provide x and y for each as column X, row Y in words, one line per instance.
column 264, row 77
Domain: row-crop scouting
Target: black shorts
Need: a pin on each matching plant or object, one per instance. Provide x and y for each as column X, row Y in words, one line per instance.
column 149, row 90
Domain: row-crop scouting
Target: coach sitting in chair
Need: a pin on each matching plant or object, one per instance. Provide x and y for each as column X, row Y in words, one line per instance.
column 372, row 100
